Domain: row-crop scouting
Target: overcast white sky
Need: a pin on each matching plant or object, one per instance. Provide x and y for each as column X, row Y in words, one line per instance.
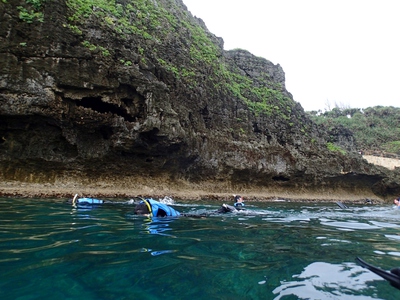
column 344, row 52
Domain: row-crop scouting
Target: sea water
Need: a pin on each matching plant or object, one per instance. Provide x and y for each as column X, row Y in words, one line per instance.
column 274, row 250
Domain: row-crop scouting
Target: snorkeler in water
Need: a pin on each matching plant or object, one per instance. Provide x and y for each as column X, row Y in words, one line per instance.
column 153, row 208
column 85, row 201
column 396, row 202
column 238, row 202
column 238, row 205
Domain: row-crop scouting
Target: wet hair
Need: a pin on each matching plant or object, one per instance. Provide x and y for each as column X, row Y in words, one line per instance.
column 237, row 197
column 141, row 209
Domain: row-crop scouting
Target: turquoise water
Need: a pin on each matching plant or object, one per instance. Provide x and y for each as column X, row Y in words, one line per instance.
column 280, row 250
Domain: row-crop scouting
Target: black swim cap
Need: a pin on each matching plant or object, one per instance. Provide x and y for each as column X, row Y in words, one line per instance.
column 237, row 197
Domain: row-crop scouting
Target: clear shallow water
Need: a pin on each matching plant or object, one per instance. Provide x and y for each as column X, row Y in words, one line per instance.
column 282, row 250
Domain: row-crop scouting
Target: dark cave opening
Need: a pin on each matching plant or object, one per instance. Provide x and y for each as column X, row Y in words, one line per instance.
column 96, row 104
column 280, row 178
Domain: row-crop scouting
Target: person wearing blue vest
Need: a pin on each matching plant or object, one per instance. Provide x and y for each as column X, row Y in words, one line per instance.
column 238, row 205
column 85, row 201
column 396, row 202
column 154, row 208
column 238, row 202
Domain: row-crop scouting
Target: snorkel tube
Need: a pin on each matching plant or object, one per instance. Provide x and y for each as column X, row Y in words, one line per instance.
column 148, row 206
column 74, row 200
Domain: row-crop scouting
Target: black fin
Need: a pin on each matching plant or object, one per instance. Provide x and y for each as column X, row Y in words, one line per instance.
column 341, row 205
column 393, row 279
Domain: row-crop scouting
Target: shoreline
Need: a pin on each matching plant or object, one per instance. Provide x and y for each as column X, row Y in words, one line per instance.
column 187, row 193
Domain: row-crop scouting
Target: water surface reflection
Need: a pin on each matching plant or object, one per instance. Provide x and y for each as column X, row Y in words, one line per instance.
column 271, row 251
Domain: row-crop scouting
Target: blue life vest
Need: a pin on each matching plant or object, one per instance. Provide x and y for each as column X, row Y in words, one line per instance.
column 238, row 204
column 159, row 209
column 88, row 201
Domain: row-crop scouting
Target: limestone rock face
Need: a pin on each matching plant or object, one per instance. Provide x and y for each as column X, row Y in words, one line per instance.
column 142, row 89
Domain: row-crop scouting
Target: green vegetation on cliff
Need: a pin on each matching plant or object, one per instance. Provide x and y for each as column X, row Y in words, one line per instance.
column 32, row 11
column 375, row 128
column 154, row 22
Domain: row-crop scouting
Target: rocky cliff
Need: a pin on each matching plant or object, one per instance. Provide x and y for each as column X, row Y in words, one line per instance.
column 132, row 92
